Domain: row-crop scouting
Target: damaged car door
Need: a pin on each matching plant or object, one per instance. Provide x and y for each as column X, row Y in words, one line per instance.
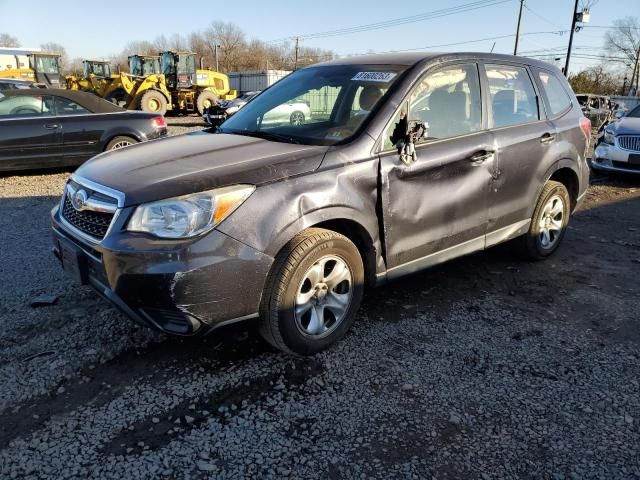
column 435, row 203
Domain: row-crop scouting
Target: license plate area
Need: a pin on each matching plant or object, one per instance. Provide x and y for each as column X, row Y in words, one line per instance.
column 74, row 261
column 634, row 159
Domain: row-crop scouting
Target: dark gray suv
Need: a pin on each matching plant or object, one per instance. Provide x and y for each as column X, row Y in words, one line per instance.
column 406, row 161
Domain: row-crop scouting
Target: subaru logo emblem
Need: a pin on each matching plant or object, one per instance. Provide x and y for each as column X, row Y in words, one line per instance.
column 79, row 200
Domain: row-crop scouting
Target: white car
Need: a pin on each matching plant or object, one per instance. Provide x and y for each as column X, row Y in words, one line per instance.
column 294, row 113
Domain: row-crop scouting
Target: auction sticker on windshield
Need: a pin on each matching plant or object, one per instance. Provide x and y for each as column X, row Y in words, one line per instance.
column 382, row 77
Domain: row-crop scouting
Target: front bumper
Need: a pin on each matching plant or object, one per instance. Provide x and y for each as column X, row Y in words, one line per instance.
column 178, row 287
column 613, row 158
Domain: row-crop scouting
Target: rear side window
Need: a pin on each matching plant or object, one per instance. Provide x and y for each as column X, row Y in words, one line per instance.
column 64, row 106
column 557, row 97
column 513, row 98
column 25, row 106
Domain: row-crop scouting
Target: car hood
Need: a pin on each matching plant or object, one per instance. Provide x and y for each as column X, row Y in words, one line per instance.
column 196, row 162
column 626, row 126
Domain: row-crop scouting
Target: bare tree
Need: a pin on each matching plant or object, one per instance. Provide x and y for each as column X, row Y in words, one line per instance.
column 623, row 40
column 231, row 42
column 8, row 41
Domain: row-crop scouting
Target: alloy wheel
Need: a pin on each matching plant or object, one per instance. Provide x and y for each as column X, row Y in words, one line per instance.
column 551, row 222
column 323, row 297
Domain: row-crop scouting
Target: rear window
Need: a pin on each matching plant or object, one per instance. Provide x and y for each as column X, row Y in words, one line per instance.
column 557, row 97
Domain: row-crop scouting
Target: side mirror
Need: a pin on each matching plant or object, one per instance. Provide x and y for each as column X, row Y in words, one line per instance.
column 416, row 130
column 619, row 114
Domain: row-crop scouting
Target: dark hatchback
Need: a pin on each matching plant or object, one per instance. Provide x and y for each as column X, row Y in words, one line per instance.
column 41, row 128
column 408, row 160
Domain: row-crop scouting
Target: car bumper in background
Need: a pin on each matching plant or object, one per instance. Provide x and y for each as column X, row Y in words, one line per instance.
column 612, row 158
column 181, row 288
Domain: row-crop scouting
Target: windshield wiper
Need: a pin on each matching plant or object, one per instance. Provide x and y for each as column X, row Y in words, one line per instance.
column 277, row 137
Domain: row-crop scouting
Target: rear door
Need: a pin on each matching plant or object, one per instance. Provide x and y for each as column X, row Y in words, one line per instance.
column 30, row 135
column 523, row 137
column 81, row 131
column 436, row 207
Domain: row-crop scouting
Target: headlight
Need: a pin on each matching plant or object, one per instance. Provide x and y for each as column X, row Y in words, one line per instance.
column 188, row 215
column 609, row 137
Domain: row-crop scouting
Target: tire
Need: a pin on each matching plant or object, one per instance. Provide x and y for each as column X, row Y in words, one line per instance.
column 553, row 209
column 313, row 251
column 206, row 99
column 120, row 142
column 153, row 101
column 118, row 97
column 296, row 118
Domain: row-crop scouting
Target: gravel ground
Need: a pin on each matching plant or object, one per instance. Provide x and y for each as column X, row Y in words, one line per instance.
column 486, row 367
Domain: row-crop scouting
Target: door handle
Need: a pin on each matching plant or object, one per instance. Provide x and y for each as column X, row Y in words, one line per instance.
column 480, row 157
column 51, row 126
column 547, row 138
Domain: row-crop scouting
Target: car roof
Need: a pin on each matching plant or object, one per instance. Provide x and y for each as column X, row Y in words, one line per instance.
column 413, row 58
column 91, row 102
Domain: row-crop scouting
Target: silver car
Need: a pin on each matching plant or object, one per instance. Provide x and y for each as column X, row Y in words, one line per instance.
column 618, row 147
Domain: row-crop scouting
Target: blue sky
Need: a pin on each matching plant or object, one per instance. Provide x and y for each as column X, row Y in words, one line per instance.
column 105, row 29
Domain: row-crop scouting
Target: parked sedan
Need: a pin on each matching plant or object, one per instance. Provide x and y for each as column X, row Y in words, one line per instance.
column 53, row 127
column 618, row 147
column 217, row 114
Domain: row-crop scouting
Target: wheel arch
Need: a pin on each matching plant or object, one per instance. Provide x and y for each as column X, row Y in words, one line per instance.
column 343, row 220
column 110, row 135
column 563, row 171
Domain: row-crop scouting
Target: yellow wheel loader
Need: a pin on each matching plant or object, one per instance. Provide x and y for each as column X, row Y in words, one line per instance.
column 44, row 70
column 125, row 88
column 96, row 77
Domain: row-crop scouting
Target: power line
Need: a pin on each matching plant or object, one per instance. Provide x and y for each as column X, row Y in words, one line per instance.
column 541, row 17
column 399, row 21
column 428, row 47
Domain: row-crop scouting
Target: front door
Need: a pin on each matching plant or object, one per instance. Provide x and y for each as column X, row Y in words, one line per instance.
column 435, row 208
column 30, row 136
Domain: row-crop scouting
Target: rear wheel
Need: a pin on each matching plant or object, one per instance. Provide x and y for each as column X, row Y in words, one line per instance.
column 548, row 223
column 153, row 101
column 205, row 100
column 313, row 292
column 120, row 142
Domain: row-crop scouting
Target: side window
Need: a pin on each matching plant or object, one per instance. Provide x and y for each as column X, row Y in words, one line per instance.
column 513, row 98
column 448, row 101
column 25, row 106
column 557, row 96
column 64, row 106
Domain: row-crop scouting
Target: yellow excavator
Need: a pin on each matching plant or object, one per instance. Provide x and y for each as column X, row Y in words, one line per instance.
column 44, row 70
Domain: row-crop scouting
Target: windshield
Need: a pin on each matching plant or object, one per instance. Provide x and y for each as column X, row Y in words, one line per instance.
column 101, row 70
column 150, row 66
column 318, row 105
column 635, row 113
column 135, row 66
column 186, row 64
column 46, row 64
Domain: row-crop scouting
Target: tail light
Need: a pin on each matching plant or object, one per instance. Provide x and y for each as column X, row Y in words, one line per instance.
column 585, row 125
column 160, row 122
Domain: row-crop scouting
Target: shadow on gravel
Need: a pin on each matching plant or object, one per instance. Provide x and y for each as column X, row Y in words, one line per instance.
column 192, row 413
column 99, row 384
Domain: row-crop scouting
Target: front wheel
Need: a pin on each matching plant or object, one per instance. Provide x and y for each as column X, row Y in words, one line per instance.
column 548, row 223
column 296, row 118
column 313, row 292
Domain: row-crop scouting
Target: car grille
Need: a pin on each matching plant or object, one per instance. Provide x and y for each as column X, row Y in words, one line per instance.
column 629, row 142
column 90, row 222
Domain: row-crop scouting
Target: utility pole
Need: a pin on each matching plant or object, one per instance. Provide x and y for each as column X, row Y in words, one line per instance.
column 215, row 48
column 515, row 47
column 295, row 65
column 573, row 28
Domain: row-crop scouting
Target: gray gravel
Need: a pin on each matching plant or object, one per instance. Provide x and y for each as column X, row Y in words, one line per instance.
column 486, row 367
